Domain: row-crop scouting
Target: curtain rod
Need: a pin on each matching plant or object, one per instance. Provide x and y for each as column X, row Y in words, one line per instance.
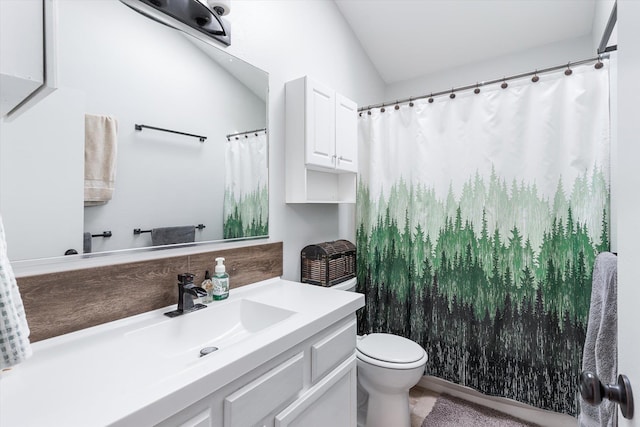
column 611, row 23
column 504, row 80
column 246, row 133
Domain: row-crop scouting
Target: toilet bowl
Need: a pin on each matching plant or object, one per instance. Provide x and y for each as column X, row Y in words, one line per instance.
column 388, row 366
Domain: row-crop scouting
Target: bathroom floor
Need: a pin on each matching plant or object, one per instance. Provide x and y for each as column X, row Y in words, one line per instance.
column 421, row 402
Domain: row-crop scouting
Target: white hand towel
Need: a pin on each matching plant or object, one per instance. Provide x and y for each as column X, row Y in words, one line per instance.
column 14, row 331
column 100, row 149
column 600, row 354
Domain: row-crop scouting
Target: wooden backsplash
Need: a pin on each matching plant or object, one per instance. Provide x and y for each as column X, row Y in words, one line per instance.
column 59, row 303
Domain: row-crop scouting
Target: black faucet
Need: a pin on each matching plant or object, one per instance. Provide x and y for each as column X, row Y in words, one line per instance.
column 187, row 292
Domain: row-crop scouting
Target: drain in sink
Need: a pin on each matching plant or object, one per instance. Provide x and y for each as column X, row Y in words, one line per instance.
column 207, row 350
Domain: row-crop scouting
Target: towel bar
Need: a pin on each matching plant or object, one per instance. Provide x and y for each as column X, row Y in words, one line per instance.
column 103, row 234
column 200, row 137
column 140, row 231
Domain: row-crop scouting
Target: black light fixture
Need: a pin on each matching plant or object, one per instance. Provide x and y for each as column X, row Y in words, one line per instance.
column 190, row 13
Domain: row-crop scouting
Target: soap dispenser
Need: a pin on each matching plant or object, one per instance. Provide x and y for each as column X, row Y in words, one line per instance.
column 220, row 281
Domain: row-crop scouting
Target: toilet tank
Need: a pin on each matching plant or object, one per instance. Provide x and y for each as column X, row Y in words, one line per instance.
column 328, row 263
column 349, row 285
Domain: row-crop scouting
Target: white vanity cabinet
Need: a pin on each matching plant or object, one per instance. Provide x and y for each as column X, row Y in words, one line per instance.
column 321, row 144
column 286, row 357
column 312, row 384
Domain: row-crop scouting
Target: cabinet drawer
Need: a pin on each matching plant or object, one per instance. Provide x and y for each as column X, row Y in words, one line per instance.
column 262, row 396
column 332, row 350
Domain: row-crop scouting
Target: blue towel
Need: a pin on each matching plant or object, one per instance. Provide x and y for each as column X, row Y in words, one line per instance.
column 173, row 235
column 14, row 331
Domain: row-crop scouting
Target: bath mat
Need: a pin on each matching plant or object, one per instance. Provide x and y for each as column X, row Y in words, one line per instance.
column 450, row 411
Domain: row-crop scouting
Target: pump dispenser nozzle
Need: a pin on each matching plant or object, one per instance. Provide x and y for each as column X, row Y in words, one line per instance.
column 220, row 268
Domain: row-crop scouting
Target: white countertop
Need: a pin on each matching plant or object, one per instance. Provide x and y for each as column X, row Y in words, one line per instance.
column 99, row 376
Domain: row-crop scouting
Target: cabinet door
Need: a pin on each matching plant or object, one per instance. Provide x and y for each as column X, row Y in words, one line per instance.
column 331, row 402
column 346, row 134
column 21, row 53
column 320, row 125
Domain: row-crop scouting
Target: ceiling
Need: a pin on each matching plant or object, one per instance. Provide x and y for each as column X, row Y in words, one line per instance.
column 410, row 38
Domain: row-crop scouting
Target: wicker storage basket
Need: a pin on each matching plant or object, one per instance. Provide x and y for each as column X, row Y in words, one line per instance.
column 328, row 263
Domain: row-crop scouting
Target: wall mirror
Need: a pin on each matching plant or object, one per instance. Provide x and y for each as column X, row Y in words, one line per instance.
column 115, row 62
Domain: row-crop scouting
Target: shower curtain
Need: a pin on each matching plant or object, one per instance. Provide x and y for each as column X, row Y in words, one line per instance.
column 246, row 197
column 478, row 221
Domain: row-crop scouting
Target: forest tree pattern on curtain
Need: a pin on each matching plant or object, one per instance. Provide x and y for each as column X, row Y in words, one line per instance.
column 246, row 193
column 493, row 280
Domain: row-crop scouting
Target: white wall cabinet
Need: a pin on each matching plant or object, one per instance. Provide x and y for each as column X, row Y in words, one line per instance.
column 22, row 51
column 312, row 384
column 321, row 144
column 346, row 134
column 27, row 53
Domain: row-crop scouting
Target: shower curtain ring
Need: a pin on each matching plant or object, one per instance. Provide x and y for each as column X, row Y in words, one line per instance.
column 410, row 103
column 568, row 71
column 599, row 64
column 431, row 98
column 504, row 84
column 477, row 89
column 397, row 107
column 535, row 77
column 452, row 95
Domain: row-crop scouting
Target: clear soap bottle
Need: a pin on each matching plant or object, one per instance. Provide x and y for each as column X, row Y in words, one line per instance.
column 220, row 281
column 207, row 285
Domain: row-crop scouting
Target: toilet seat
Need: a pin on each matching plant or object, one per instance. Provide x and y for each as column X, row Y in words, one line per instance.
column 390, row 351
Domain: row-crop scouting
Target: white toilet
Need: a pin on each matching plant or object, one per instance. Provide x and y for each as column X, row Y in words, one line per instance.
column 388, row 366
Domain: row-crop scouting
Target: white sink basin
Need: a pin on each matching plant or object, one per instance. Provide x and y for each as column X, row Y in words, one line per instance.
column 219, row 325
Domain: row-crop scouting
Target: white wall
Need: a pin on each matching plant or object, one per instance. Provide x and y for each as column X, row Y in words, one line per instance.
column 41, row 153
column 290, row 39
column 494, row 68
column 628, row 202
column 600, row 18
